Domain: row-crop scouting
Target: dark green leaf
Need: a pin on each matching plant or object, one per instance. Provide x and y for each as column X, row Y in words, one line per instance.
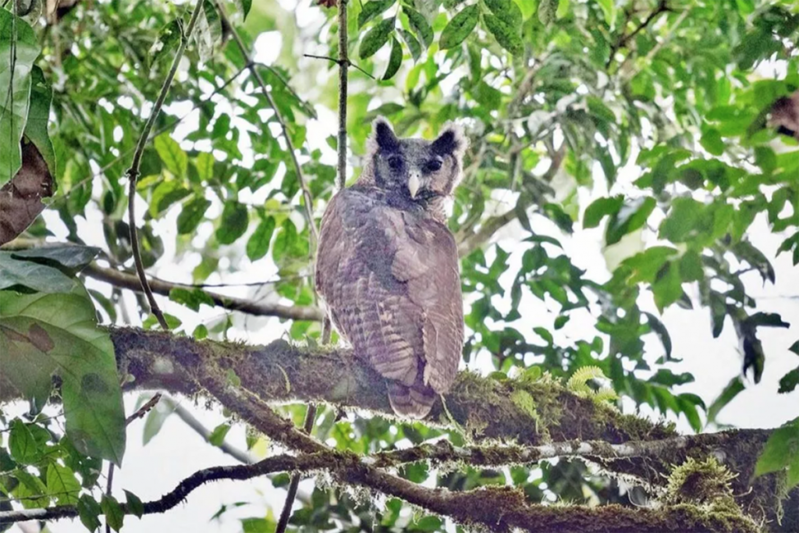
column 781, row 452
column 599, row 208
column 38, row 117
column 630, row 217
column 733, row 388
column 114, row 516
column 217, row 436
column 233, row 223
column 19, row 48
column 372, row 9
column 376, row 38
column 135, row 505
column 258, row 244
column 507, row 36
column 394, row 61
column 419, row 24
column 23, row 447
column 412, row 43
column 89, row 512
column 459, row 27
column 789, row 381
column 192, row 214
column 506, row 11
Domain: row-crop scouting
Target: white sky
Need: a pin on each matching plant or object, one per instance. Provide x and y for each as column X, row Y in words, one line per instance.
column 177, row 451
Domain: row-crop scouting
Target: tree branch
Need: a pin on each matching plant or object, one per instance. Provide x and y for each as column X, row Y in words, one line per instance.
column 499, row 509
column 191, row 421
column 623, row 39
column 133, row 171
column 125, row 280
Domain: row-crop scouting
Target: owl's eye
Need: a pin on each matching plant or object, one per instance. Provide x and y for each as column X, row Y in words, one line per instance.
column 395, row 162
column 434, row 165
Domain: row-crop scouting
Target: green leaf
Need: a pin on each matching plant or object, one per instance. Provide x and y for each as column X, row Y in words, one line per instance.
column 394, row 61
column 166, row 194
column 609, row 10
column 38, row 117
column 459, row 27
column 733, row 388
column 217, row 436
column 233, row 223
column 712, row 142
column 245, row 6
column 419, row 24
column 684, row 216
column 657, row 326
column 781, row 452
column 412, row 43
column 70, row 259
column 376, row 38
column 42, row 335
column 789, row 381
column 23, row 447
column 205, row 166
column 547, row 11
column 630, row 217
column 191, row 298
column 173, row 156
column 691, row 268
column 258, row 244
column 155, row 419
column 134, row 503
column 795, row 347
column 506, row 11
column 89, row 512
column 17, row 272
column 507, row 36
column 599, row 208
column 372, row 9
column 62, row 484
column 114, row 516
column 192, row 214
column 19, row 48
column 667, row 287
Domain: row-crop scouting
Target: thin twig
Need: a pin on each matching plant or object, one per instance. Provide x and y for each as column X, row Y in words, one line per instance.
column 133, row 171
column 340, row 62
column 144, row 409
column 341, row 178
column 343, row 62
column 126, row 280
column 662, row 7
column 190, row 420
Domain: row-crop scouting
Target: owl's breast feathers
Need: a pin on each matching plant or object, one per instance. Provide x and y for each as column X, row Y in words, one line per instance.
column 390, row 279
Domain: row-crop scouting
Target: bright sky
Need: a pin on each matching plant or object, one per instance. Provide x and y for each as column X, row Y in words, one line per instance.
column 177, row 451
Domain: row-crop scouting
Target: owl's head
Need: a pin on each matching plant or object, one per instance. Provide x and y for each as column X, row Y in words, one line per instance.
column 417, row 169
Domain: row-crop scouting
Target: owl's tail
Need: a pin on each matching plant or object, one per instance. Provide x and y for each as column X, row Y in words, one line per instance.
column 412, row 402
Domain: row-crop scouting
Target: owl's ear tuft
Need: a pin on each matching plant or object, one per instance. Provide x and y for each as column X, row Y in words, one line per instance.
column 451, row 141
column 382, row 137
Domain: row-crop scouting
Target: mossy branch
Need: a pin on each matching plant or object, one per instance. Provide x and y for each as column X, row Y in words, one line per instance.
column 282, row 373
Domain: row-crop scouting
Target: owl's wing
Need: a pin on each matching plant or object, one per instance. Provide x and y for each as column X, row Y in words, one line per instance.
column 427, row 260
column 392, row 284
column 369, row 306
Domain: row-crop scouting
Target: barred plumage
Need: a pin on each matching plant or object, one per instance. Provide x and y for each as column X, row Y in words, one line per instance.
column 387, row 266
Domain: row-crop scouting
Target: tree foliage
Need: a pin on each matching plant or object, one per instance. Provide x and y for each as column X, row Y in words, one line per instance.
column 649, row 119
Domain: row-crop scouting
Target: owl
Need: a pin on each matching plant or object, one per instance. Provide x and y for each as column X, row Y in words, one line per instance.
column 387, row 265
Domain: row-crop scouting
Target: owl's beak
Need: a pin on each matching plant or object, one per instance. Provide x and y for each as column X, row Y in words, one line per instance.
column 413, row 184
